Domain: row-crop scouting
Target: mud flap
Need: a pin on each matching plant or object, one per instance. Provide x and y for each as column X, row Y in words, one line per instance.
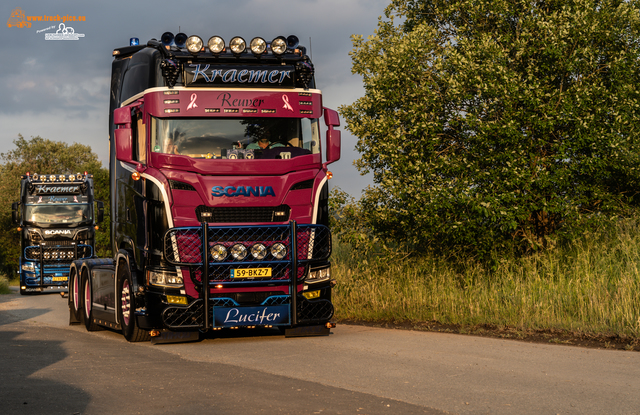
column 307, row 331
column 167, row 336
column 72, row 318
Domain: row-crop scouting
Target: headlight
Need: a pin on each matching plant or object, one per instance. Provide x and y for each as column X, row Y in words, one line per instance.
column 239, row 252
column 29, row 267
column 278, row 250
column 279, row 45
column 194, row 44
column 237, row 45
column 218, row 252
column 258, row 45
column 320, row 274
column 163, row 278
column 215, row 44
column 259, row 251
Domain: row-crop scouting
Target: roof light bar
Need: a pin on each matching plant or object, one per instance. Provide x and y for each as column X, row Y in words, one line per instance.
column 216, row 44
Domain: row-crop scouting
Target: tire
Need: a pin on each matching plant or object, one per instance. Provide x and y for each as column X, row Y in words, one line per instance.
column 75, row 297
column 126, row 315
column 87, row 304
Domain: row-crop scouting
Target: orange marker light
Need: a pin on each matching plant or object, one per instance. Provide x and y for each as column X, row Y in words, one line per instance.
column 329, row 175
column 135, row 176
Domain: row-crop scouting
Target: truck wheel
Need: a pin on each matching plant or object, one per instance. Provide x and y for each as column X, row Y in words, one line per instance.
column 126, row 315
column 87, row 304
column 75, row 296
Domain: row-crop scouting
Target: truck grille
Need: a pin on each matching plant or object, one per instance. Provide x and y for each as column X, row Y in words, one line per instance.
column 252, row 214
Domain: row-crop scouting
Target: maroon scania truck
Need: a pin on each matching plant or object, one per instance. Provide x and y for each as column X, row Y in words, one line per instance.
column 219, row 193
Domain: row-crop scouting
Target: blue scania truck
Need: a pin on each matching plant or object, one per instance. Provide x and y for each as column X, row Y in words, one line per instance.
column 57, row 224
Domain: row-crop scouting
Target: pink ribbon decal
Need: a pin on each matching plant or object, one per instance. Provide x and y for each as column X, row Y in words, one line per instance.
column 192, row 104
column 286, row 105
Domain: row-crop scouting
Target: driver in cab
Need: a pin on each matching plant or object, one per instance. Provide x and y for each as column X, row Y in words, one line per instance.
column 170, row 147
column 262, row 144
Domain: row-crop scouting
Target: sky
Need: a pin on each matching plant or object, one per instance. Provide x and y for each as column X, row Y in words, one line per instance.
column 59, row 89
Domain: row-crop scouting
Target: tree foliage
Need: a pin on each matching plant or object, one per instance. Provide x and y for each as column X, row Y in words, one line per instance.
column 39, row 155
column 491, row 122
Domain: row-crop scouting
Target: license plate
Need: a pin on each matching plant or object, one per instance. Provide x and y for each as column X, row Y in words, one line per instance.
column 250, row 272
column 59, row 279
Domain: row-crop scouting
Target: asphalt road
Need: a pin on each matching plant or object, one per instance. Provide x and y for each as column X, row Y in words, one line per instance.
column 48, row 367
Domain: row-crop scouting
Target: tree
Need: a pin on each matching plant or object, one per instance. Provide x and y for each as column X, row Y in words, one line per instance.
column 39, row 155
column 491, row 122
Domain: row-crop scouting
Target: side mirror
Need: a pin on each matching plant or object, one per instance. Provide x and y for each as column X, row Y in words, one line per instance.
column 334, row 141
column 122, row 116
column 124, row 148
column 100, row 215
column 333, row 146
column 15, row 217
column 331, row 117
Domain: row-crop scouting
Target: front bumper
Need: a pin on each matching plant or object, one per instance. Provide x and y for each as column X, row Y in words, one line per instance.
column 221, row 301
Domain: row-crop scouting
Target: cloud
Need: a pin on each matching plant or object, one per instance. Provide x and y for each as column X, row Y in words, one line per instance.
column 60, row 89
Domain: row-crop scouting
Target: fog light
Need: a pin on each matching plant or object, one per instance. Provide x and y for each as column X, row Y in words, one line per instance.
column 239, row 252
column 177, row 299
column 278, row 250
column 218, row 252
column 259, row 251
column 310, row 295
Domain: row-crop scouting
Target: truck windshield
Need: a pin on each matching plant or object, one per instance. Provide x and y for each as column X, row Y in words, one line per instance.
column 69, row 214
column 221, row 138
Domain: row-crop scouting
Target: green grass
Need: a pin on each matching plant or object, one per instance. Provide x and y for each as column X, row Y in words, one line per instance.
column 591, row 287
column 4, row 285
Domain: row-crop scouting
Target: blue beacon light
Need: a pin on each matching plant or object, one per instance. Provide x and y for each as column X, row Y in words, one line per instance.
column 134, row 41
